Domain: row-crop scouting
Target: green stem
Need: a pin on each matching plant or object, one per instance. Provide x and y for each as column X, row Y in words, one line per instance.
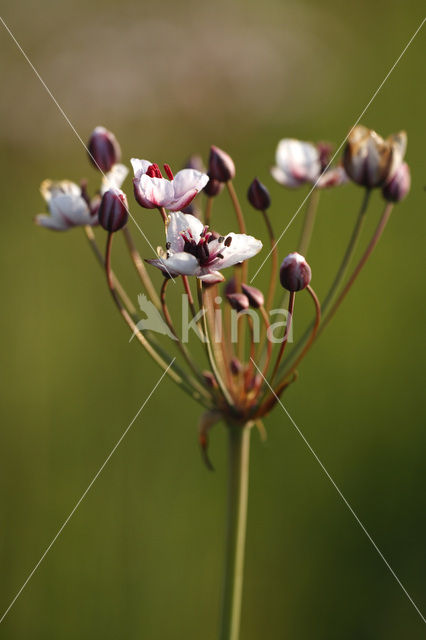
column 306, row 234
column 308, row 224
column 331, row 295
column 348, row 255
column 239, row 449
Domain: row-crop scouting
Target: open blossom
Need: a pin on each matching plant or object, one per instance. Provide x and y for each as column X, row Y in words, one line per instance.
column 193, row 250
column 67, row 206
column 175, row 193
column 298, row 163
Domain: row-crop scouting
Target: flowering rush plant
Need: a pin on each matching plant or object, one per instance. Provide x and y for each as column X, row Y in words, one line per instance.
column 249, row 360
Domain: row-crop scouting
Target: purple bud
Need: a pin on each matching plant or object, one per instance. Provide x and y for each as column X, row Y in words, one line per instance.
column 230, row 286
column 238, row 301
column 210, row 380
column 295, row 273
column 399, row 185
column 221, row 165
column 213, row 187
column 104, row 150
column 258, row 196
column 235, row 366
column 255, row 296
column 113, row 210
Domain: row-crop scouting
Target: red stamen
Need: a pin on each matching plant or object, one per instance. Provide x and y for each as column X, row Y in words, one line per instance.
column 168, row 171
column 153, row 171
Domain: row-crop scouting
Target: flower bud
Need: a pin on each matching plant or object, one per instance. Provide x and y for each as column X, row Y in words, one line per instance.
column 113, row 210
column 235, row 366
column 258, row 196
column 221, row 165
column 255, row 296
column 295, row 273
column 369, row 160
column 104, row 150
column 399, row 185
column 213, row 187
column 238, row 301
column 230, row 286
column 209, row 379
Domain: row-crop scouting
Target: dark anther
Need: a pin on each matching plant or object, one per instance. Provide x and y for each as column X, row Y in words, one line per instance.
column 220, row 239
column 228, row 241
column 168, row 245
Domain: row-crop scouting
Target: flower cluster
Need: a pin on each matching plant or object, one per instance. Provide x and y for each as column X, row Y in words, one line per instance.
column 244, row 372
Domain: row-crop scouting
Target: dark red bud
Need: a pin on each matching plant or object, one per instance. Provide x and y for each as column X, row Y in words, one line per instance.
column 221, row 165
column 210, row 379
column 230, row 287
column 104, row 150
column 213, row 187
column 255, row 296
column 399, row 185
column 238, row 301
column 295, row 273
column 113, row 210
column 235, row 366
column 258, row 196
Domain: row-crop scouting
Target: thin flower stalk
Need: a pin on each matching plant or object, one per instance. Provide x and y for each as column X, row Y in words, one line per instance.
column 134, row 328
column 88, row 231
column 330, row 296
column 220, row 382
column 309, row 222
column 140, row 268
column 274, row 262
column 369, row 250
column 182, row 348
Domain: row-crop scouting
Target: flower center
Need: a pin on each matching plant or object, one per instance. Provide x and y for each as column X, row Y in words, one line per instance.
column 201, row 249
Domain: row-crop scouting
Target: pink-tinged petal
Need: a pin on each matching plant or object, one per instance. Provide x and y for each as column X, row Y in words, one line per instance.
column 139, row 166
column 182, row 202
column 187, row 180
column 211, row 277
column 180, row 223
column 158, row 191
column 242, row 248
column 141, row 196
column 56, row 224
column 284, row 179
column 332, row 178
column 114, row 178
column 152, row 192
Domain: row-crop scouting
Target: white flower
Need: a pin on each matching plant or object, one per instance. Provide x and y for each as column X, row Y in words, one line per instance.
column 66, row 205
column 114, row 178
column 298, row 163
column 193, row 250
column 152, row 190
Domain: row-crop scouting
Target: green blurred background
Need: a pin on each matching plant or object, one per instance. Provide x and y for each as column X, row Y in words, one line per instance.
column 142, row 556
